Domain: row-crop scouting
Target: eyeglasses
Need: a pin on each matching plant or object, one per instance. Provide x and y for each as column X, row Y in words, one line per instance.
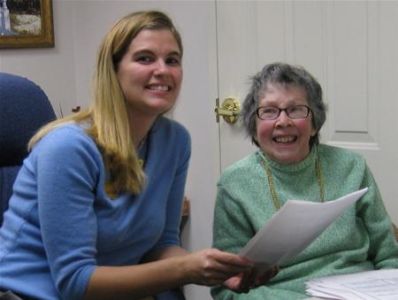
column 293, row 112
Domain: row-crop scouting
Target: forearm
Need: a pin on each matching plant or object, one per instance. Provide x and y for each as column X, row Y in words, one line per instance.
column 174, row 268
column 138, row 281
column 205, row 267
column 165, row 253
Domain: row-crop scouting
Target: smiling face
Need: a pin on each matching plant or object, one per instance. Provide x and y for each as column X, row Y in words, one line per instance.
column 284, row 140
column 150, row 73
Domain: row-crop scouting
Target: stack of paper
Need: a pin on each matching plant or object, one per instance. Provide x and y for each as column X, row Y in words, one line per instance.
column 289, row 232
column 369, row 285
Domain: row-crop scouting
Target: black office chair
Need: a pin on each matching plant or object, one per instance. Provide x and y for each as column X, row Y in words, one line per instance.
column 24, row 108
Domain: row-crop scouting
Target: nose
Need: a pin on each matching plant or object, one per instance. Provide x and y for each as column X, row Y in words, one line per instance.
column 160, row 67
column 283, row 120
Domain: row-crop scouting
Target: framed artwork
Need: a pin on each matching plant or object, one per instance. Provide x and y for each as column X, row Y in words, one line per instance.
column 26, row 24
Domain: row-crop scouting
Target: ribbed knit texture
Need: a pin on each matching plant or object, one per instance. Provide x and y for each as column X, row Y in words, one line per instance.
column 61, row 224
column 360, row 239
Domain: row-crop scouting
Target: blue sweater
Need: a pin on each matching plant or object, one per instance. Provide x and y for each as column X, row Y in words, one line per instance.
column 61, row 224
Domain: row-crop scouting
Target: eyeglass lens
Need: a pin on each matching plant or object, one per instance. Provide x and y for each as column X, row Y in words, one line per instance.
column 293, row 112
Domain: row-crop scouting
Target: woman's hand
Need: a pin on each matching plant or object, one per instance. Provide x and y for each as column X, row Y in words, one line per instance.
column 251, row 278
column 211, row 266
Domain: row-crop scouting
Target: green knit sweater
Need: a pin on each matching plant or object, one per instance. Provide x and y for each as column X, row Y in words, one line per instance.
column 360, row 239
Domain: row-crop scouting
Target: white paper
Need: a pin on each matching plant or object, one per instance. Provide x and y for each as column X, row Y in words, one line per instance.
column 369, row 285
column 293, row 228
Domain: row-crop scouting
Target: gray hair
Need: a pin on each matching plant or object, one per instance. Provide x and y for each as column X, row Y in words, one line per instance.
column 286, row 75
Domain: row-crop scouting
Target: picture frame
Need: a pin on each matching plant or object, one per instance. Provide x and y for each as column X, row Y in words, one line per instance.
column 40, row 34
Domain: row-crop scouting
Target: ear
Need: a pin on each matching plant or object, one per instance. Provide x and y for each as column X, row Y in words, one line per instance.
column 313, row 131
column 255, row 141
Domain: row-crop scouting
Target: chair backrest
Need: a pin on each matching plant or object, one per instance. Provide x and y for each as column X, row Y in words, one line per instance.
column 24, row 108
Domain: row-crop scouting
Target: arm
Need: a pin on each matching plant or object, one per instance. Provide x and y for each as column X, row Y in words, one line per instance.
column 232, row 227
column 67, row 167
column 231, row 232
column 383, row 244
column 207, row 267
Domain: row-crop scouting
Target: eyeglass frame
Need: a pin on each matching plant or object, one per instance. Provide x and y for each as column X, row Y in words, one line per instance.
column 309, row 110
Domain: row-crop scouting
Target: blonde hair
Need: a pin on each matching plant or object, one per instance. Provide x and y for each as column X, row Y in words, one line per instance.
column 107, row 115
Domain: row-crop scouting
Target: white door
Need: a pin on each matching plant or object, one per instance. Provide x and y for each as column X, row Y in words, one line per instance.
column 347, row 45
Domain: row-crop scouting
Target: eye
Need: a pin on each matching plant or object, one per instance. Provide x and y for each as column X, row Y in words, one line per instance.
column 294, row 109
column 144, row 59
column 173, row 60
column 298, row 112
column 269, row 110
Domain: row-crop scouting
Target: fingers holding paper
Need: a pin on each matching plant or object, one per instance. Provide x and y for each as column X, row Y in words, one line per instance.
column 251, row 278
column 213, row 267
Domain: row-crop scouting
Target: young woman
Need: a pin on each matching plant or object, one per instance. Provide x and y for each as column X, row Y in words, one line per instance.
column 96, row 206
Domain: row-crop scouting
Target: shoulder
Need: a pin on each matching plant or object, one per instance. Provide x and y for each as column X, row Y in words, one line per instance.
column 334, row 151
column 65, row 141
column 244, row 169
column 66, row 135
column 341, row 158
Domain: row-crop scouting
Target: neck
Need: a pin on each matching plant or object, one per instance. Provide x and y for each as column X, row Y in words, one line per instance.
column 140, row 127
column 318, row 174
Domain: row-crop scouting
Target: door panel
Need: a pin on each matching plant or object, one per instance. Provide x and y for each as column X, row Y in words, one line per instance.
column 346, row 45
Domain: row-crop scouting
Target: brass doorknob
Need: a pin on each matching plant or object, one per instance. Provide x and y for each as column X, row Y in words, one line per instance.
column 229, row 110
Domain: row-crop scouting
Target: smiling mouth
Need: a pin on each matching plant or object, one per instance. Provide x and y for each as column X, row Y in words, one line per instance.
column 159, row 87
column 285, row 139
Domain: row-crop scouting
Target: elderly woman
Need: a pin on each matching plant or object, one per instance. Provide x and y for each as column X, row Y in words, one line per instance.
column 283, row 114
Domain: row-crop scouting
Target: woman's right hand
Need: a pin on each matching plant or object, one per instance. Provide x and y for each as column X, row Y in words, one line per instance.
column 252, row 278
column 212, row 266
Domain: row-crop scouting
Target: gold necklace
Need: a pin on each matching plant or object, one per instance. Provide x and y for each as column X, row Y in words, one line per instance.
column 274, row 195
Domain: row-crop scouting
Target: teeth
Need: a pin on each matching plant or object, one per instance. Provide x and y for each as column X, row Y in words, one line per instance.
column 285, row 139
column 159, row 87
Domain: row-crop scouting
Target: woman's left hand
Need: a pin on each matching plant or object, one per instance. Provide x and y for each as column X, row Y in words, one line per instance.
column 245, row 281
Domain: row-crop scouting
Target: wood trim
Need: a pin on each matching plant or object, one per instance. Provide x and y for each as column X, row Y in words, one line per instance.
column 395, row 231
column 44, row 39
